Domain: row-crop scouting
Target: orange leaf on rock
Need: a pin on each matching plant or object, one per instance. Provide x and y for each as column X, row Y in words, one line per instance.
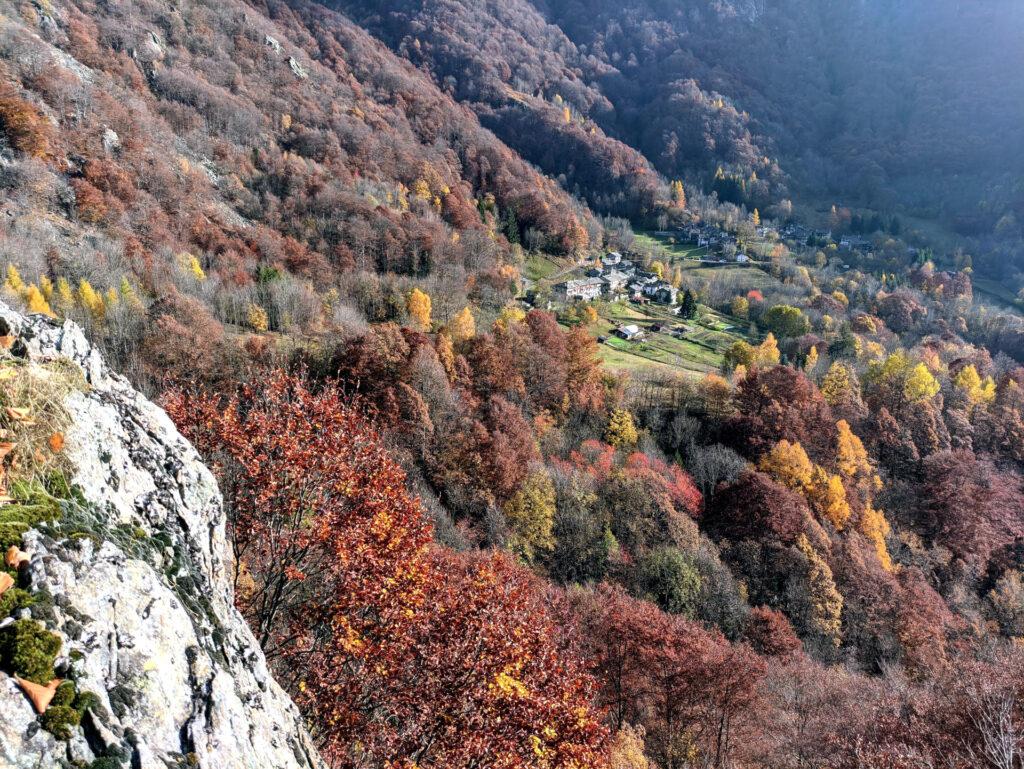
column 15, row 557
column 56, row 443
column 39, row 695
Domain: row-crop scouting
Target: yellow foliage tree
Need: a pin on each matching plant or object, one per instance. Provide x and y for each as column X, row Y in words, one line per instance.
column 789, row 464
column 755, row 218
column 129, row 295
column 740, row 306
column 920, row 385
column 827, row 496
column 978, row 390
column 566, row 114
column 419, row 306
column 621, row 431
column 65, row 296
column 90, row 300
column 767, row 353
column 874, row 526
column 190, row 262
column 717, row 396
column 421, row 189
column 823, row 611
column 256, row 318
column 531, row 514
column 627, row 749
column 590, row 315
column 851, row 456
column 509, row 316
column 446, row 354
column 14, row 281
column 678, row 194
column 812, row 360
column 837, row 386
column 36, row 302
column 46, row 286
column 658, row 268
column 463, row 326
column 677, row 277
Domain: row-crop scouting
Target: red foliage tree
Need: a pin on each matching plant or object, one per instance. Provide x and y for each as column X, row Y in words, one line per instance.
column 399, row 655
column 693, row 692
column 755, row 506
column 769, row 633
column 780, row 403
column 969, row 505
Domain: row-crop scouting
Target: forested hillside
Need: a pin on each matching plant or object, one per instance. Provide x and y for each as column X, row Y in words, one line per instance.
column 602, row 386
column 903, row 107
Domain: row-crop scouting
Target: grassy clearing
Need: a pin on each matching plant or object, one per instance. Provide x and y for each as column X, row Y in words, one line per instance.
column 995, row 294
column 666, row 249
column 699, row 351
column 541, row 267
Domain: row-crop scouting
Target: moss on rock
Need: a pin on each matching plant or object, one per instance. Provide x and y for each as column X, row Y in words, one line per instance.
column 28, row 649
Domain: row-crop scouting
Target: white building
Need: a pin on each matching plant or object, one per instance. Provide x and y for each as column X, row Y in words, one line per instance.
column 584, row 289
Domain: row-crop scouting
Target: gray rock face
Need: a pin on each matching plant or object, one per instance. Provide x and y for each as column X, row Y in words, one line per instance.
column 144, row 604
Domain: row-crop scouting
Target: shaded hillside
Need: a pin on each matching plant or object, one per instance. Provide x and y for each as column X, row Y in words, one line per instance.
column 530, row 84
column 903, row 107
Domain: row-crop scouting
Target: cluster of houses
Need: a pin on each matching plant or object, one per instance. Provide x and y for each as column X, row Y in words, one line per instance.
column 799, row 232
column 802, row 234
column 617, row 278
column 853, row 243
column 709, row 236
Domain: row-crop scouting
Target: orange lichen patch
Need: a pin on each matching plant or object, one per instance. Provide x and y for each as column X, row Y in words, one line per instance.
column 40, row 696
column 6, row 582
column 15, row 557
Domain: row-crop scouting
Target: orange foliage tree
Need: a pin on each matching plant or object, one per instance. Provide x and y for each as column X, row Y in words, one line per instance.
column 400, row 654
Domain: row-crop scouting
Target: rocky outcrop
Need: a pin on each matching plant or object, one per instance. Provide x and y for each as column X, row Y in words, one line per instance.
column 139, row 574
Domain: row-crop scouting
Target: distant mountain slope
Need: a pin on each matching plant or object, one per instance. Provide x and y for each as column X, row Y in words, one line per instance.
column 881, row 102
column 530, row 84
column 907, row 106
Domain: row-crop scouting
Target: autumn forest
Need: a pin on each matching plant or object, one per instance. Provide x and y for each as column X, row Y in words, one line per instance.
column 757, row 501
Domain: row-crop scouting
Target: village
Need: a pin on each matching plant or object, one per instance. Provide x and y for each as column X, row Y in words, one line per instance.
column 641, row 310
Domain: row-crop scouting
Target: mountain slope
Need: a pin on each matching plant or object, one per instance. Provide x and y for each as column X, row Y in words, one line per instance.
column 528, row 83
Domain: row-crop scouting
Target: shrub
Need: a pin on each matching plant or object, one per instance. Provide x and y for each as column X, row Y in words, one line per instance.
column 669, row 578
column 25, row 128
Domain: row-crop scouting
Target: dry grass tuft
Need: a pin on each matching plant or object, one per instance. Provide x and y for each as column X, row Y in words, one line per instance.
column 33, row 419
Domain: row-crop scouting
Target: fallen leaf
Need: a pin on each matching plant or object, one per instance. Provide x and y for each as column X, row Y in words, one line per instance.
column 15, row 557
column 20, row 415
column 6, row 582
column 56, row 443
column 39, row 695
column 7, row 341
